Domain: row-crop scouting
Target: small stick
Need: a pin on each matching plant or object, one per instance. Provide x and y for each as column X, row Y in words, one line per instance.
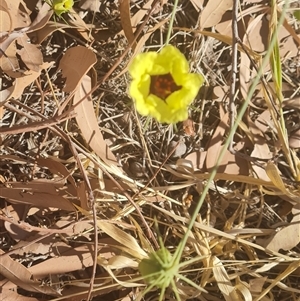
column 232, row 109
column 93, row 207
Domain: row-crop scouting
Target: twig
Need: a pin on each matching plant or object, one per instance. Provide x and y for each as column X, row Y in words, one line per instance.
column 232, row 109
column 93, row 207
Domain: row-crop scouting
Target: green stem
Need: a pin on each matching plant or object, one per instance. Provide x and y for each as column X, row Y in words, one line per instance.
column 239, row 117
column 171, row 22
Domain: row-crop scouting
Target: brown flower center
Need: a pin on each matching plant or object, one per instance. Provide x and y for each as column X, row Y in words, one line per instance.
column 163, row 85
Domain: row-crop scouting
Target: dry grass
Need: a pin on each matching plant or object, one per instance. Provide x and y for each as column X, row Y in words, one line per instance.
column 122, row 171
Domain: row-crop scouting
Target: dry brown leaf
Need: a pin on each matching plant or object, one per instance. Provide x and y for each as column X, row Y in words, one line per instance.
column 70, row 259
column 16, row 212
column 21, row 83
column 76, row 62
column 82, row 28
column 8, row 294
column 213, row 12
column 264, row 121
column 9, row 63
column 41, row 19
column 288, row 237
column 225, row 26
column 37, row 198
column 48, row 186
column 10, row 17
column 256, row 284
column 21, row 276
column 5, row 17
column 197, row 159
column 82, row 195
column 5, row 42
column 275, row 176
column 38, row 36
column 120, row 262
column 30, row 54
column 220, row 94
column 216, row 141
column 258, row 32
column 123, row 238
column 294, row 139
column 92, row 5
column 140, row 14
column 223, row 281
column 261, row 149
column 6, row 95
column 141, row 43
column 124, row 7
column 88, row 124
column 230, row 164
column 57, row 168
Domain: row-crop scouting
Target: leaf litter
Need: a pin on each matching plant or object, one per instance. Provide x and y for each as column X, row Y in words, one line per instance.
column 79, row 168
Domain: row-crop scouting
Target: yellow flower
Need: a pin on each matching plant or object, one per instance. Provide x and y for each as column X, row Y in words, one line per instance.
column 62, row 6
column 162, row 86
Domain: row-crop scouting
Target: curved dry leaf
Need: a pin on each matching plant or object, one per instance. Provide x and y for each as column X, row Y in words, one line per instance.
column 30, row 54
column 4, row 43
column 221, row 276
column 261, row 149
column 38, row 36
column 121, row 261
column 225, row 26
column 257, row 33
column 197, row 158
column 5, row 17
column 230, row 163
column 140, row 14
column 41, row 19
column 57, row 168
column 124, row 8
column 92, row 5
column 9, row 61
column 213, row 12
column 6, row 94
column 9, row 15
column 76, row 62
column 70, row 259
column 288, row 237
column 21, row 83
column 264, row 121
column 215, row 143
column 82, row 28
column 256, row 284
column 16, row 212
column 294, row 139
column 141, row 43
column 275, row 176
column 21, row 276
column 87, row 122
column 123, row 238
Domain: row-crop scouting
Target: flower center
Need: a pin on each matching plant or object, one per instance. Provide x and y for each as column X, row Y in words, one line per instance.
column 163, row 85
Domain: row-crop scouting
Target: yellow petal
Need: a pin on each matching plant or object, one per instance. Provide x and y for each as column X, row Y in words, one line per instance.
column 169, row 61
